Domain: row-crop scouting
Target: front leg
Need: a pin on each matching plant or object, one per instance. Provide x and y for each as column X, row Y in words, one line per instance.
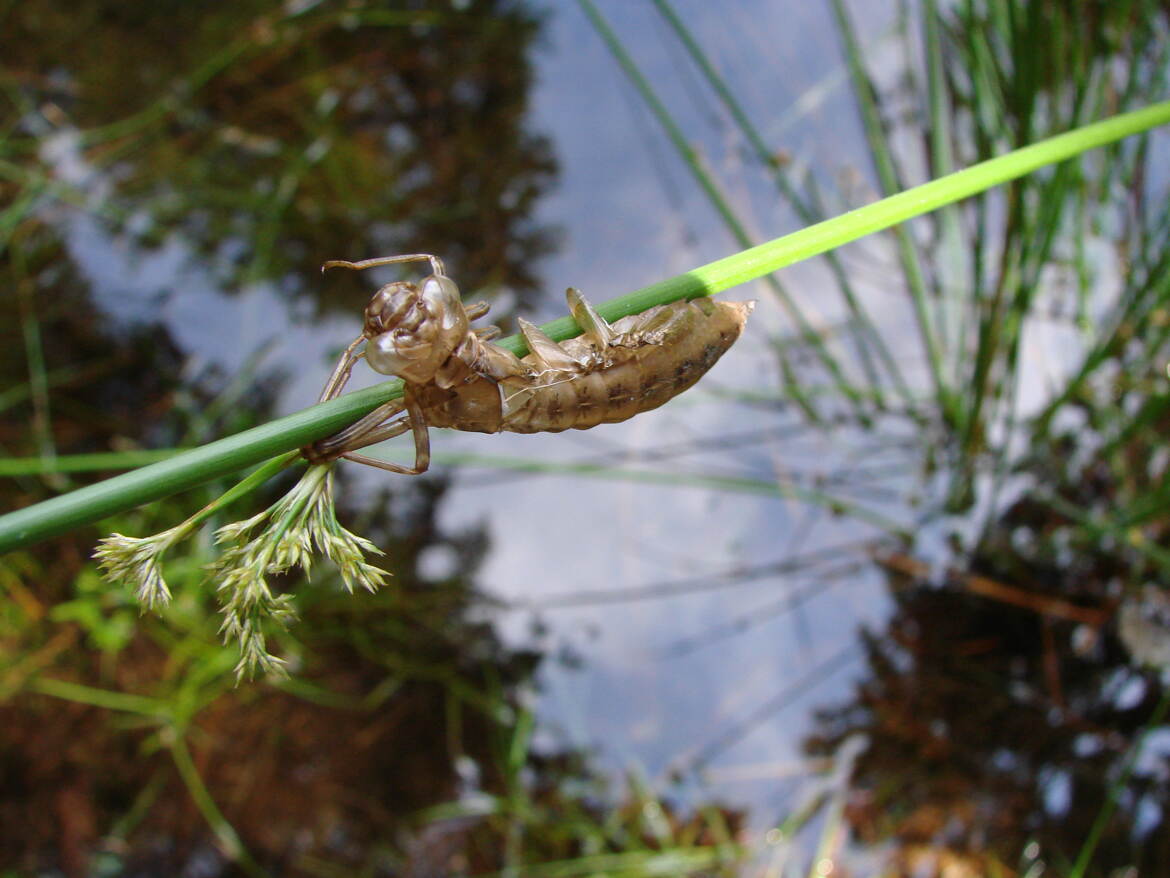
column 374, row 428
column 356, row 434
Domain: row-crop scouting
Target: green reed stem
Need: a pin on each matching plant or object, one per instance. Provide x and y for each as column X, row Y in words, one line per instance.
column 251, row 447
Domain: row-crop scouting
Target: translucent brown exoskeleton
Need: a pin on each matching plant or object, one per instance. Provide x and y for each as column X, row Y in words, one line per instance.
column 454, row 376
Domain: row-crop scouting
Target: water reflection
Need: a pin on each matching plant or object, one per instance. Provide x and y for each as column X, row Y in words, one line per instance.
column 266, row 135
column 252, row 142
column 1003, row 716
column 999, row 718
column 231, row 151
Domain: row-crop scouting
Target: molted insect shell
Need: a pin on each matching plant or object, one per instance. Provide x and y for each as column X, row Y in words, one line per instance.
column 454, row 377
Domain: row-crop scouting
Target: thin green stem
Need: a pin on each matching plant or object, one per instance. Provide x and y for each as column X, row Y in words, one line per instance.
column 956, row 249
column 229, row 455
column 674, row 479
column 82, row 463
column 1117, row 788
column 888, row 176
column 141, row 705
column 867, row 334
column 225, row 833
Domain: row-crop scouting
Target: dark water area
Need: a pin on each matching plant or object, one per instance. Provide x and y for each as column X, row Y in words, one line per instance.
column 872, row 598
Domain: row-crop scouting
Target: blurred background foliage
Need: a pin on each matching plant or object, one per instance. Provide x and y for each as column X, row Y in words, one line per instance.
column 263, row 135
column 999, row 707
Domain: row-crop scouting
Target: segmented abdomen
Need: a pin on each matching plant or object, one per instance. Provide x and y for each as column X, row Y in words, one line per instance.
column 656, row 356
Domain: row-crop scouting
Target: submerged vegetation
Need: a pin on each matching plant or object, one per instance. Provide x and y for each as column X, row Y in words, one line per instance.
column 999, row 724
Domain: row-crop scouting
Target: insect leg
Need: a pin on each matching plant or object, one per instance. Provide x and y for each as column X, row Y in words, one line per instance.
column 422, row 443
column 436, row 262
column 593, row 325
column 341, row 371
column 476, row 310
column 356, row 434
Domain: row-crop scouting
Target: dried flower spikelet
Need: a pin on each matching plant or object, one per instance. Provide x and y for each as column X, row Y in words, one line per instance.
column 137, row 561
column 305, row 517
